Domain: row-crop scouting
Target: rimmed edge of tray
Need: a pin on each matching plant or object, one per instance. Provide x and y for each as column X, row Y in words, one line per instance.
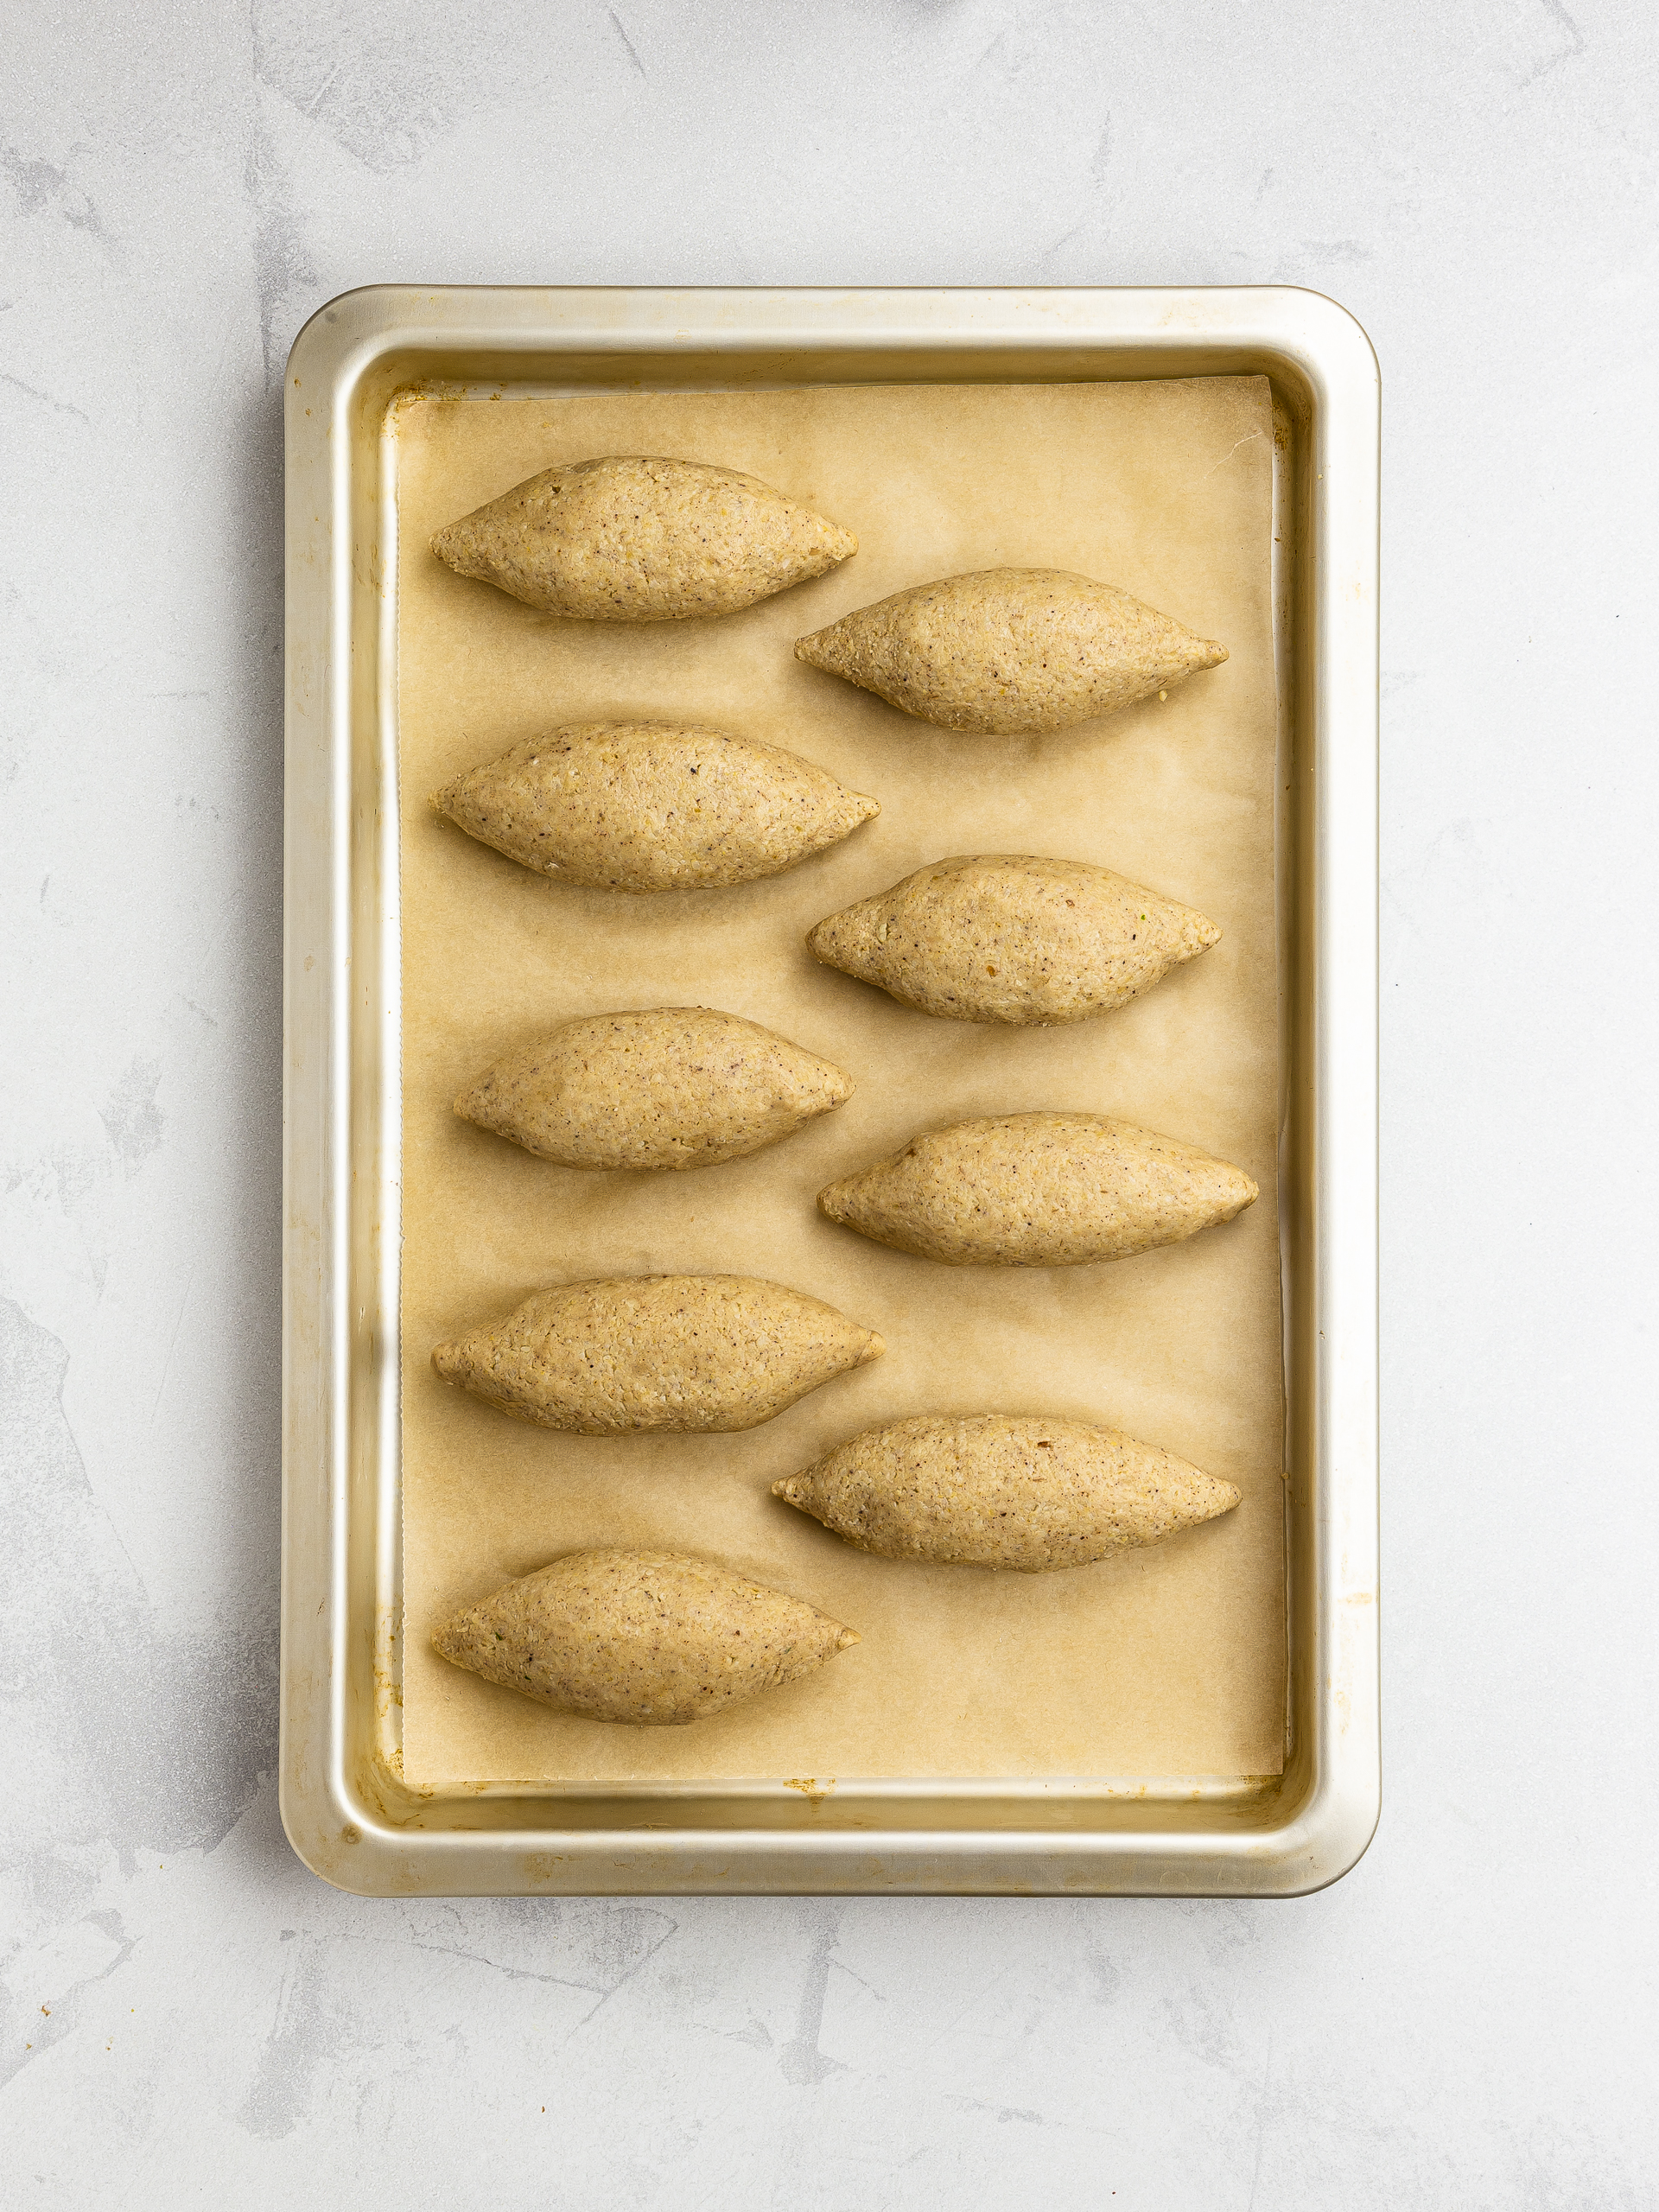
column 346, row 1811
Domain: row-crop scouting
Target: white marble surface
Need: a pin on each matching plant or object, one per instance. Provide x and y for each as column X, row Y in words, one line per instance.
column 1465, row 2020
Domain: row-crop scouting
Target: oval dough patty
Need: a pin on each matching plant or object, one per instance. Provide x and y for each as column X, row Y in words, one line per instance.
column 1038, row 1191
column 674, row 1087
column 1003, row 936
column 648, row 1637
column 641, row 1353
column 652, row 806
column 640, row 539
column 1006, row 650
column 1003, row 1490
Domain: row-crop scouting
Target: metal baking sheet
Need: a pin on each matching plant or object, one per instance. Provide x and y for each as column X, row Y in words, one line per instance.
column 349, row 1811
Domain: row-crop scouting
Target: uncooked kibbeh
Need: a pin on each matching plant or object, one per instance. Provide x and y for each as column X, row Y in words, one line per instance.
column 652, row 806
column 645, row 1353
column 1038, row 1191
column 1010, row 649
column 1003, row 936
column 674, row 1087
column 639, row 539
column 651, row 1639
column 1003, row 1490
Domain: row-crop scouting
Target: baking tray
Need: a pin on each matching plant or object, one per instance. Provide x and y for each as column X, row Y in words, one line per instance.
column 346, row 1808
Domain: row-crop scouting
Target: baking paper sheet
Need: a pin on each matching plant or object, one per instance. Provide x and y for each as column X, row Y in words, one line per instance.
column 1167, row 1662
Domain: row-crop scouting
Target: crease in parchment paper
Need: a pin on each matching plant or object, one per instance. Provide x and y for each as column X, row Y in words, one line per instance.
column 1165, row 1661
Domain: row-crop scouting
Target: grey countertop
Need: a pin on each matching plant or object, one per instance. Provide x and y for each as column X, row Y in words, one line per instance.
column 192, row 2017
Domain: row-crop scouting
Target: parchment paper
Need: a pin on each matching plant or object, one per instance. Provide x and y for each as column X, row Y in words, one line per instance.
column 1167, row 1662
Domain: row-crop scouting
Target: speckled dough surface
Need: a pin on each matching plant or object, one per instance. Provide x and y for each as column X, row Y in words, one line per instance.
column 1003, row 936
column 1007, row 649
column 645, row 1353
column 652, row 806
column 1003, row 1490
column 627, row 539
column 651, row 1639
column 673, row 1087
column 1038, row 1191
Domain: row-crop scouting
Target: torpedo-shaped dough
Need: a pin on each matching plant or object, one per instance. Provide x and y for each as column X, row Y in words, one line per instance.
column 640, row 539
column 643, row 1353
column 1001, row 937
column 1007, row 649
column 1003, row 1490
column 652, row 806
column 674, row 1087
column 1038, row 1191
column 653, row 1638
